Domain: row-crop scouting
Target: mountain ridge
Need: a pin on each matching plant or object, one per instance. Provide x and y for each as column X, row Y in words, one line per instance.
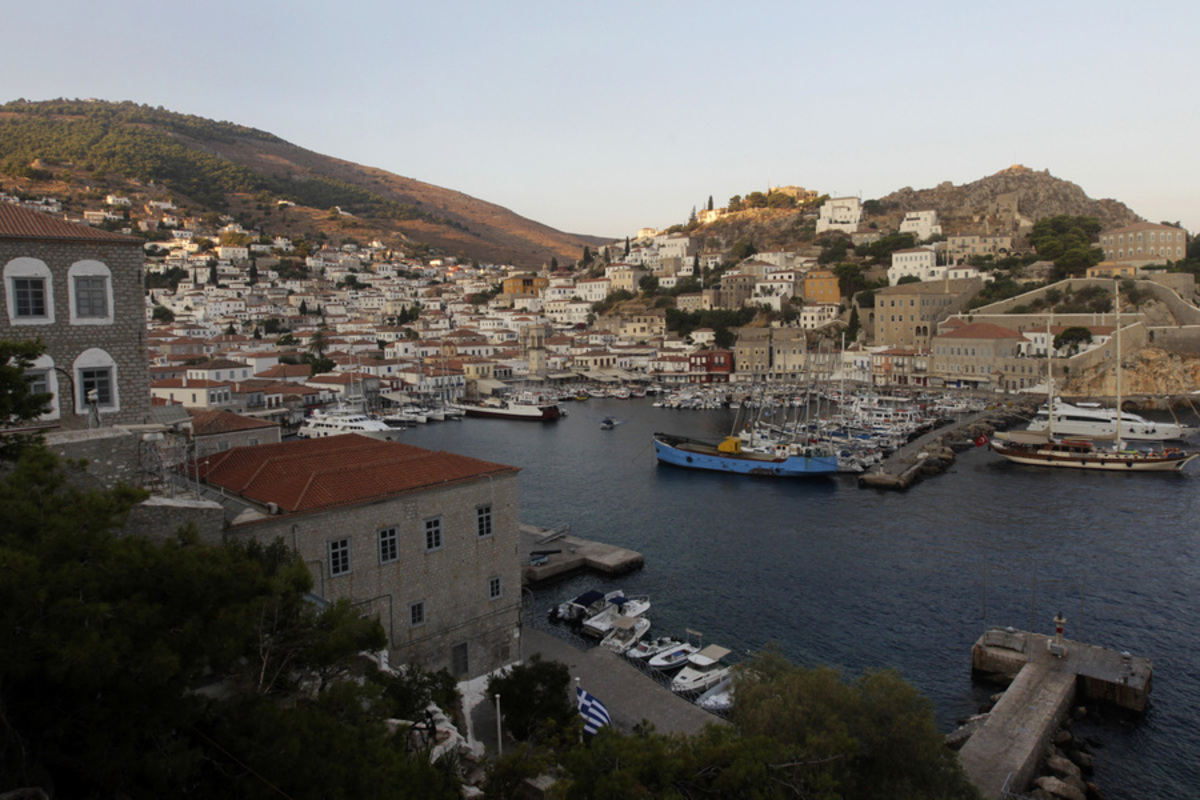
column 242, row 171
column 82, row 149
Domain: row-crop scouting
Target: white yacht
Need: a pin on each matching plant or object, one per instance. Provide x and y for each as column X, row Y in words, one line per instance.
column 339, row 420
column 1092, row 421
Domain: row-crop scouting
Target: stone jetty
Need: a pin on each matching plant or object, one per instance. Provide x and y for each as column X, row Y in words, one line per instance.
column 1007, row 748
column 934, row 452
column 552, row 553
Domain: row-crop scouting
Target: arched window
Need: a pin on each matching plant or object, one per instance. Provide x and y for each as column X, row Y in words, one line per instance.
column 96, row 371
column 89, row 283
column 43, row 378
column 29, row 292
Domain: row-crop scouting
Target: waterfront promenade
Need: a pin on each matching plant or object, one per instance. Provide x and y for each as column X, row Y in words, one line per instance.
column 630, row 696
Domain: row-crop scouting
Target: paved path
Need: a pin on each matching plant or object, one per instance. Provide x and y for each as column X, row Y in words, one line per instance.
column 629, row 695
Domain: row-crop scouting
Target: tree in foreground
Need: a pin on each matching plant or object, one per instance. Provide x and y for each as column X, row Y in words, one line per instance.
column 795, row 732
column 136, row 668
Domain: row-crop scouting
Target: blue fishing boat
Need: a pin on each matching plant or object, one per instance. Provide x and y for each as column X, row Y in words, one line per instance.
column 784, row 461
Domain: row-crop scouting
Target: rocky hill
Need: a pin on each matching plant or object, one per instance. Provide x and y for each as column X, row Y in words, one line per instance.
column 1010, row 196
column 1007, row 203
column 81, row 151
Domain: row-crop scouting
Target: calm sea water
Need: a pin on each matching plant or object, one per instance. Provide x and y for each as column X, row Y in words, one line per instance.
column 833, row 574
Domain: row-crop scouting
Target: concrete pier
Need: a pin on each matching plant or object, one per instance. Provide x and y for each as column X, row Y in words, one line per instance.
column 547, row 554
column 1008, row 748
column 933, row 452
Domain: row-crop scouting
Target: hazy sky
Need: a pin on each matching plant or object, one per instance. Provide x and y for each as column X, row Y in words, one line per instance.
column 604, row 117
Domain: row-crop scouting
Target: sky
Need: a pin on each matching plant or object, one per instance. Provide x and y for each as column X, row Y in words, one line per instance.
column 605, row 117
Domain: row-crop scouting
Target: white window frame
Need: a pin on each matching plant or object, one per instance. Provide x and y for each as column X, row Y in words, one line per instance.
column 434, row 534
column 338, row 551
column 485, row 521
column 416, row 614
column 95, row 358
column 25, row 267
column 388, row 540
column 45, row 365
column 89, row 268
column 495, row 588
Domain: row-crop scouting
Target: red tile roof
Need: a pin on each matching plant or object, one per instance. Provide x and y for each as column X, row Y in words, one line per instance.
column 981, row 330
column 207, row 423
column 315, row 474
column 21, row 223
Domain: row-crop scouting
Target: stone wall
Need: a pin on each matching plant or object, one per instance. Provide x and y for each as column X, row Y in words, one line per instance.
column 159, row 518
column 112, row 454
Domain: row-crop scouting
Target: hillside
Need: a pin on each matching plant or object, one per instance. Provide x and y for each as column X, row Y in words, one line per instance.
column 1035, row 195
column 1007, row 203
column 81, row 151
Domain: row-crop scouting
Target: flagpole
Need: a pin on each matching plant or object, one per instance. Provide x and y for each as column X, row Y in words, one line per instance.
column 499, row 733
column 577, row 689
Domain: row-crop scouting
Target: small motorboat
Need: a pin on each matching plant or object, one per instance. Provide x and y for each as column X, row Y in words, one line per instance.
column 625, row 633
column 673, row 658
column 648, row 648
column 718, row 699
column 607, row 424
column 702, row 671
column 618, row 605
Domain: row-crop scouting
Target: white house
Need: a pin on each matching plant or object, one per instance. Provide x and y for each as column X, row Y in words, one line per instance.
column 840, row 214
column 922, row 224
column 915, row 262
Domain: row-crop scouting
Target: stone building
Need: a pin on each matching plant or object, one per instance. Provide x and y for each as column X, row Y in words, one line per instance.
column 907, row 315
column 79, row 290
column 762, row 354
column 427, row 541
column 1144, row 243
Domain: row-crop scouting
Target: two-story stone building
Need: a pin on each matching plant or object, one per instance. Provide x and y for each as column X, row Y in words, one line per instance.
column 79, row 290
column 427, row 541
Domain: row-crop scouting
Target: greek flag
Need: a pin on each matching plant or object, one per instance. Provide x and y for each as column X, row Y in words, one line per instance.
column 593, row 712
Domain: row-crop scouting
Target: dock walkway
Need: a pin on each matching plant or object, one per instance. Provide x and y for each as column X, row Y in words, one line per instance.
column 902, row 468
column 1007, row 750
column 548, row 554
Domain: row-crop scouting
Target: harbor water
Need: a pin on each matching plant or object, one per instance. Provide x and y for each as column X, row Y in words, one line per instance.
column 833, row 574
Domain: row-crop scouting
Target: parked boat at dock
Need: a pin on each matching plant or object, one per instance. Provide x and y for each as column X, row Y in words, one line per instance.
column 625, row 633
column 1091, row 421
column 703, row 670
column 673, row 658
column 617, row 606
column 784, row 461
column 1049, row 448
column 340, row 420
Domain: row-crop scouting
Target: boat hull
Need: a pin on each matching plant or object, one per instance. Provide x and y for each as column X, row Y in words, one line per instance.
column 681, row 452
column 1061, row 456
column 514, row 411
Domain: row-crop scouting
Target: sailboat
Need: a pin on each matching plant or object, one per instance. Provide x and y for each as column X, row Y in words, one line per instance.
column 1044, row 449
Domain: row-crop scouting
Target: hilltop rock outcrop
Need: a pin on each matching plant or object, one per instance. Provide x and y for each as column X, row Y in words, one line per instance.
column 993, row 200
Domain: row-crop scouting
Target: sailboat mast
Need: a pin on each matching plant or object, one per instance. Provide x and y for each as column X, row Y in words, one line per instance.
column 1117, row 305
column 1049, row 382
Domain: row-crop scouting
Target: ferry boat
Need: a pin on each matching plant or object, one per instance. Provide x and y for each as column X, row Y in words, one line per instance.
column 339, row 420
column 784, row 461
column 528, row 407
